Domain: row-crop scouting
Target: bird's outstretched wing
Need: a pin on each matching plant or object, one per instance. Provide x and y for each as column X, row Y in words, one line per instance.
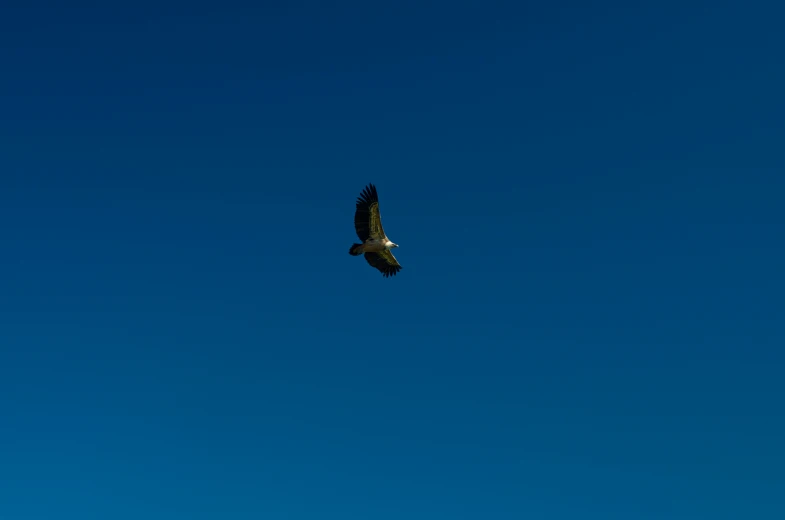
column 367, row 219
column 384, row 261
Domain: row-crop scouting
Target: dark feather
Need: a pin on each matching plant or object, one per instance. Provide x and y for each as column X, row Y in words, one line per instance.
column 362, row 212
column 384, row 262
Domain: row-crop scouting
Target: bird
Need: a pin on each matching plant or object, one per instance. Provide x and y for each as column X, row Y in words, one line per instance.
column 375, row 246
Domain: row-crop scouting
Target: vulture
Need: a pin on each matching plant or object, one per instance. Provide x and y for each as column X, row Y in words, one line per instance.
column 375, row 246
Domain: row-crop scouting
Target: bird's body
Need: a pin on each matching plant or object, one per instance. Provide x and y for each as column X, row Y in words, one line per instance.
column 375, row 245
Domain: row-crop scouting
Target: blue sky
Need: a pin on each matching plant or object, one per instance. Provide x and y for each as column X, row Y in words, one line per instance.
column 588, row 200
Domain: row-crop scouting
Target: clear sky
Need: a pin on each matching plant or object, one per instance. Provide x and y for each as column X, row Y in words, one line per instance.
column 588, row 198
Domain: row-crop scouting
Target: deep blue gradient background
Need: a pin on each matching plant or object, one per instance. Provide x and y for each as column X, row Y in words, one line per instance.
column 589, row 203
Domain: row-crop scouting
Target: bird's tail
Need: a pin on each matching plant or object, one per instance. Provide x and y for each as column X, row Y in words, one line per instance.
column 356, row 250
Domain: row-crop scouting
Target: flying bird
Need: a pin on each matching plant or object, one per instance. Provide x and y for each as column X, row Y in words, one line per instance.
column 376, row 247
